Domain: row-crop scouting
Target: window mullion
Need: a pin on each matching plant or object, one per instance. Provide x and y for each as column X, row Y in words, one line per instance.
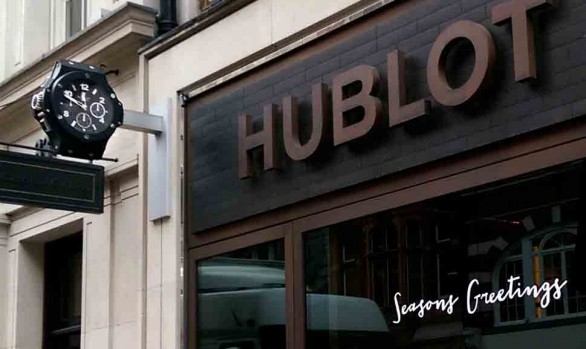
column 527, row 253
column 565, row 277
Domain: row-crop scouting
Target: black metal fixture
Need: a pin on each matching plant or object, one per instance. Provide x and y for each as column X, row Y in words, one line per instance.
column 580, row 251
column 78, row 110
column 44, row 148
column 111, row 71
column 167, row 18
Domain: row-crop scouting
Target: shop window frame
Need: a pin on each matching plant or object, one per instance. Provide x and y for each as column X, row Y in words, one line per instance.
column 281, row 232
column 506, row 258
column 372, row 206
column 418, row 193
column 522, row 155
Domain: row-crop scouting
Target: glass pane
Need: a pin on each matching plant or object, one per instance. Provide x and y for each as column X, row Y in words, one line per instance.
column 65, row 341
column 316, row 254
column 344, row 317
column 389, row 280
column 447, row 266
column 380, row 274
column 415, row 272
column 576, row 299
column 511, row 309
column 72, row 304
column 378, row 240
column 73, row 16
column 560, row 240
column 241, row 299
column 516, row 251
column 552, row 269
column 63, row 275
column 413, row 233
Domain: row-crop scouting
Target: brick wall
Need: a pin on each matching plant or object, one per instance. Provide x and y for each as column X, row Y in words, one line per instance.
column 506, row 109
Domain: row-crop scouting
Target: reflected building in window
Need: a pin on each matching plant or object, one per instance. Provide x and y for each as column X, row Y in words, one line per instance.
column 434, row 249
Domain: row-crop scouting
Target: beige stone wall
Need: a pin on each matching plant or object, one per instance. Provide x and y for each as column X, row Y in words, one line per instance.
column 256, row 26
column 3, row 14
column 251, row 29
column 112, row 284
column 4, row 277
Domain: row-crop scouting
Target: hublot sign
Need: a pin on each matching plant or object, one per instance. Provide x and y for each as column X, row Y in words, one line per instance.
column 408, row 87
column 355, row 89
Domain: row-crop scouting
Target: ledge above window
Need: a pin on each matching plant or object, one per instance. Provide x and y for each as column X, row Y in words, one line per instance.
column 211, row 12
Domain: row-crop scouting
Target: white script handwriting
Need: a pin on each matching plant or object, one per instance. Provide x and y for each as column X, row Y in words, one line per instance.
column 514, row 289
column 422, row 306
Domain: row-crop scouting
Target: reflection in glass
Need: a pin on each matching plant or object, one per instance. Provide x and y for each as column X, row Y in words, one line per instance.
column 241, row 299
column 357, row 273
column 339, row 313
column 73, row 16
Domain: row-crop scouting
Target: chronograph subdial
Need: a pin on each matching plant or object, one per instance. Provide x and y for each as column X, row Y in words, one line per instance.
column 84, row 99
column 83, row 120
column 97, row 110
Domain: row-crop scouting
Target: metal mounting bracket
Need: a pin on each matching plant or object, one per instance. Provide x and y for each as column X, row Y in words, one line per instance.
column 143, row 122
column 157, row 126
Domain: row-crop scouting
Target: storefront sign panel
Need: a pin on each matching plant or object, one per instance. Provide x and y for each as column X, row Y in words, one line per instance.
column 52, row 183
column 378, row 99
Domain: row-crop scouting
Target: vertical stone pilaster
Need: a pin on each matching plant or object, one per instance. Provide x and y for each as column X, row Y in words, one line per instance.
column 97, row 279
column 4, row 224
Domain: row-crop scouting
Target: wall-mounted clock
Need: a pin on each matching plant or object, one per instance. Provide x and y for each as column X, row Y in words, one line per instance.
column 77, row 109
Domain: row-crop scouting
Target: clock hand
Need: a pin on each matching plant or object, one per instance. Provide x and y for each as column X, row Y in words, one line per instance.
column 83, row 106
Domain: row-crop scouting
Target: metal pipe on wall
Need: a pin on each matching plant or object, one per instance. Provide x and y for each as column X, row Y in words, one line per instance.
column 167, row 18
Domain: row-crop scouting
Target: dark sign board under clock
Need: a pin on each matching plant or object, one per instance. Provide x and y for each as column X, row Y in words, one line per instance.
column 52, row 183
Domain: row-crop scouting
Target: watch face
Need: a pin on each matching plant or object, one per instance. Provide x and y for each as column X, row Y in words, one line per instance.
column 83, row 104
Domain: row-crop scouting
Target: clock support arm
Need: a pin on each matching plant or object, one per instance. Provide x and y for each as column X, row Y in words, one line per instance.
column 142, row 122
column 159, row 201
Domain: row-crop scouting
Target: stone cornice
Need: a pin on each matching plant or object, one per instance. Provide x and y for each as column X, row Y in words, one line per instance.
column 129, row 24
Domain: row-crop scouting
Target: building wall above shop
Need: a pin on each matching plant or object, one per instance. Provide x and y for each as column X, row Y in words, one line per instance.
column 31, row 28
column 203, row 52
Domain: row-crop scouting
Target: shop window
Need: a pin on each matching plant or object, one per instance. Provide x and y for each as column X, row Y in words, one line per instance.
column 358, row 266
column 68, row 17
column 548, row 254
column 63, row 268
column 74, row 10
column 511, row 310
column 381, row 281
column 241, row 299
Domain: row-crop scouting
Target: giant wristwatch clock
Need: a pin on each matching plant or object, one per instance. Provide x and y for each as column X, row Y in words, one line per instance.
column 77, row 109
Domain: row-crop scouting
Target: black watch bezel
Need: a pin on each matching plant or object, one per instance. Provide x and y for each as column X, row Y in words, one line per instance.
column 102, row 83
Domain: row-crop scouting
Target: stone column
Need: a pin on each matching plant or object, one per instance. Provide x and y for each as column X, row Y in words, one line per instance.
column 4, row 225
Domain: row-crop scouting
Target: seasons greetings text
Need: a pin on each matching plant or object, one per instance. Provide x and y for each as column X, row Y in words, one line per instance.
column 543, row 293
